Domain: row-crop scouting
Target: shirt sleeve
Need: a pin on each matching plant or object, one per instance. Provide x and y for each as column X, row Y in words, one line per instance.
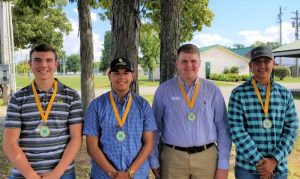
column 75, row 113
column 289, row 132
column 158, row 110
column 149, row 120
column 91, row 122
column 13, row 115
column 223, row 134
column 239, row 135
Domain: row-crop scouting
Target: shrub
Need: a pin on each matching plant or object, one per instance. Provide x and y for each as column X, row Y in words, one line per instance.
column 234, row 70
column 282, row 72
column 226, row 70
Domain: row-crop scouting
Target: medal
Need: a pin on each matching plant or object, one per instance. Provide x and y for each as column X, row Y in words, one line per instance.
column 44, row 131
column 42, row 128
column 120, row 136
column 267, row 124
column 191, row 116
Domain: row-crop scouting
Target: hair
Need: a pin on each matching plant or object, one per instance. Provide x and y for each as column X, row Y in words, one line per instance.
column 43, row 48
column 188, row 48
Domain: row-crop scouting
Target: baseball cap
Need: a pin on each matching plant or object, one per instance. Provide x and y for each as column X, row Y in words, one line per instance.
column 120, row 63
column 261, row 52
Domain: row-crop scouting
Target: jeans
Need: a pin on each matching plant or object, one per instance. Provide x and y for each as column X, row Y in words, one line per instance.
column 70, row 175
column 241, row 173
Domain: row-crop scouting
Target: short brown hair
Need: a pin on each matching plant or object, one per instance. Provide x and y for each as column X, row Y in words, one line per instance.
column 43, row 48
column 188, row 48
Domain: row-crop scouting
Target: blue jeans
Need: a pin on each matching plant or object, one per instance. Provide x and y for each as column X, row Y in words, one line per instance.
column 70, row 175
column 241, row 173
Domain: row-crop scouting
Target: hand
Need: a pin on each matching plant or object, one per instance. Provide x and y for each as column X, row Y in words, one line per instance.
column 50, row 175
column 34, row 176
column 156, row 172
column 221, row 174
column 121, row 175
column 266, row 166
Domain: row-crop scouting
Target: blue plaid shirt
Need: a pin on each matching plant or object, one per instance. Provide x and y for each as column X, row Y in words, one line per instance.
column 252, row 140
column 100, row 121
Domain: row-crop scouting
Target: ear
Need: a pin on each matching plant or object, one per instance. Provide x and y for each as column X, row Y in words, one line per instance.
column 250, row 67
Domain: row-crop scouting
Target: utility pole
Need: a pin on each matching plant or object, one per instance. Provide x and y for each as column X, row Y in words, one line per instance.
column 280, row 31
column 7, row 47
column 295, row 24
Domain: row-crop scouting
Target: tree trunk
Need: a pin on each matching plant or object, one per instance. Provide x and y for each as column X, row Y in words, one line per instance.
column 170, row 37
column 125, row 33
column 86, row 54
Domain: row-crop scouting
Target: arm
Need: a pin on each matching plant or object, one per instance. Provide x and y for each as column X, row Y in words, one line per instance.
column 158, row 110
column 144, row 152
column 97, row 154
column 15, row 154
column 69, row 154
column 289, row 132
column 223, row 136
column 239, row 135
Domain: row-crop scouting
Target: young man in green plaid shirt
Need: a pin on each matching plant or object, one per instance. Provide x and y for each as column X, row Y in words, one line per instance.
column 263, row 122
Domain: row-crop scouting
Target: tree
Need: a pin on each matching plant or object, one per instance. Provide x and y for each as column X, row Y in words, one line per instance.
column 106, row 52
column 194, row 14
column 149, row 46
column 238, row 46
column 125, row 33
column 86, row 53
column 272, row 45
column 33, row 24
column 170, row 37
column 73, row 63
column 23, row 67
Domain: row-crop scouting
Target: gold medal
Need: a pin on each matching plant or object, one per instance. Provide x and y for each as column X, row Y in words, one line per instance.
column 267, row 123
column 44, row 131
column 42, row 128
column 191, row 116
column 120, row 136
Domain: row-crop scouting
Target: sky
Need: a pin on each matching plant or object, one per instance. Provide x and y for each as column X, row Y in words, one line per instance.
column 235, row 22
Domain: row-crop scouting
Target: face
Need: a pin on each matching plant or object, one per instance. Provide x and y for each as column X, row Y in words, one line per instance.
column 43, row 65
column 120, row 79
column 188, row 65
column 262, row 68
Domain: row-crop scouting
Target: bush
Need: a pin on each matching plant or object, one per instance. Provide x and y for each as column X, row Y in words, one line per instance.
column 234, row 70
column 227, row 77
column 282, row 72
column 226, row 70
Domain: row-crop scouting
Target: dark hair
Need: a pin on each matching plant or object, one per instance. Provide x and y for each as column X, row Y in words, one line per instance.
column 188, row 48
column 43, row 48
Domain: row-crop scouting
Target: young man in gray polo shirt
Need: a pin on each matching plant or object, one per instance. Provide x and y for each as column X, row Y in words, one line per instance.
column 43, row 125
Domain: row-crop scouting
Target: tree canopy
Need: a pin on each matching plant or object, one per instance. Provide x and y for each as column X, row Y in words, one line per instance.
column 35, row 23
column 73, row 63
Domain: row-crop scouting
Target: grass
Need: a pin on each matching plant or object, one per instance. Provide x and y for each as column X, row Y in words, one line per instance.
column 288, row 80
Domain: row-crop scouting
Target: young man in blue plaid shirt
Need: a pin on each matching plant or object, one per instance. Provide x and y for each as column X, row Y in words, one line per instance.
column 263, row 121
column 119, row 128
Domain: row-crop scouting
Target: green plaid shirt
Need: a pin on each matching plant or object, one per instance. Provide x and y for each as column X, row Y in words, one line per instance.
column 252, row 140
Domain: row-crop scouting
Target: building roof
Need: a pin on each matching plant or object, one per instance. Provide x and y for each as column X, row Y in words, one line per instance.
column 242, row 51
column 202, row 49
column 289, row 50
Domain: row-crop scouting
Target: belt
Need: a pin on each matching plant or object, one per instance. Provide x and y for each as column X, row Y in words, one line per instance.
column 191, row 150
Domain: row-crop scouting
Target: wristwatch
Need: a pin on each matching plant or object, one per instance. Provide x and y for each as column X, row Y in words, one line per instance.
column 130, row 172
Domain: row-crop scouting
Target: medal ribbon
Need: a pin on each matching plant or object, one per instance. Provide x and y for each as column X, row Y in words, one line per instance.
column 266, row 105
column 113, row 104
column 38, row 102
column 188, row 102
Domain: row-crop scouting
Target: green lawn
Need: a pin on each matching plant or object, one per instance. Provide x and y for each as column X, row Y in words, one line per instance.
column 288, row 80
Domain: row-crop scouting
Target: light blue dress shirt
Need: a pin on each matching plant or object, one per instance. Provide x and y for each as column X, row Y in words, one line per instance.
column 211, row 124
